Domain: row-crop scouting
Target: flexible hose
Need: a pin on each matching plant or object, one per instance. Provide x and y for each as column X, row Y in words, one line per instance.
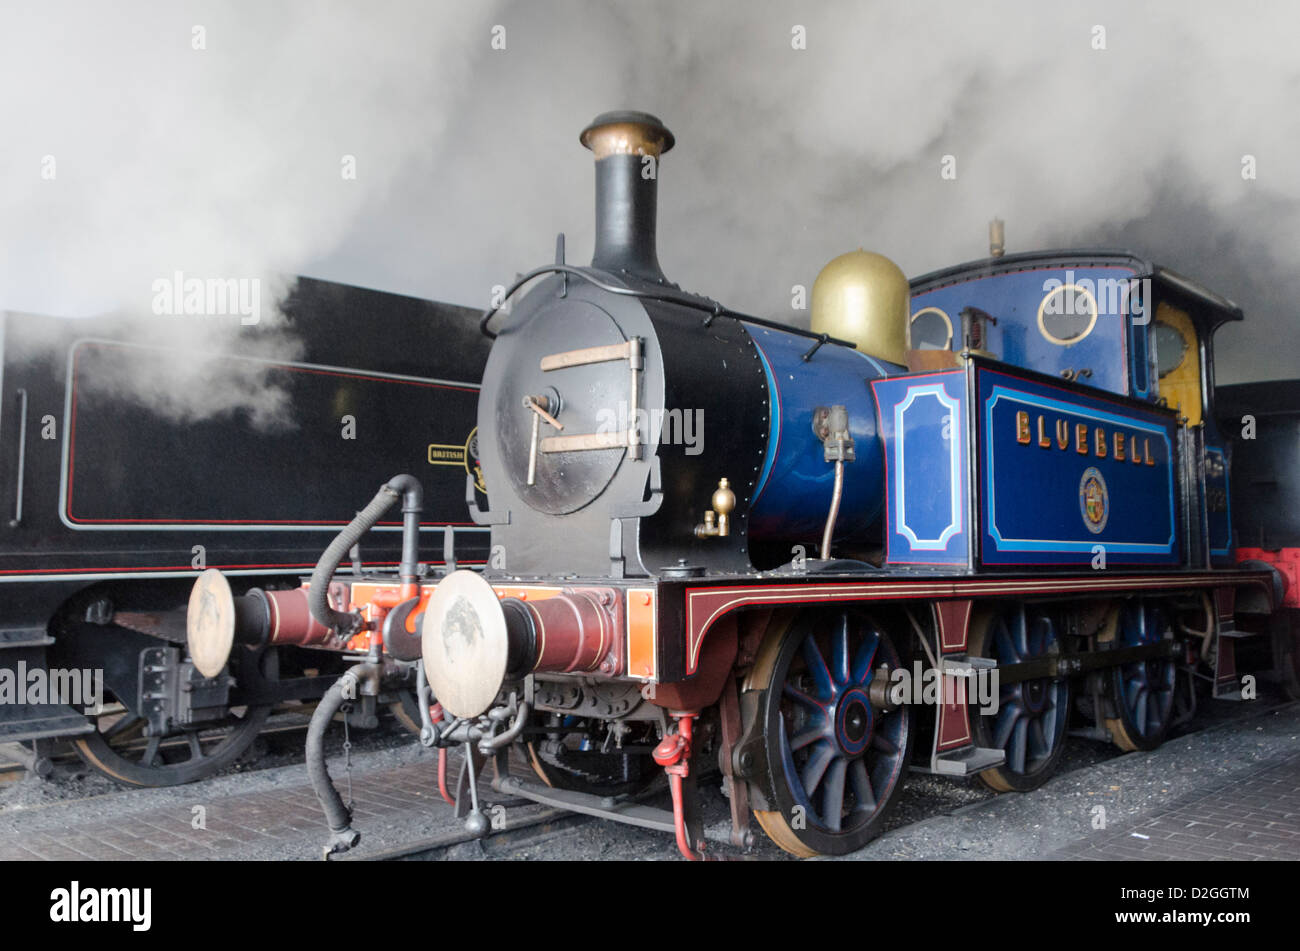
column 336, row 813
column 405, row 487
column 318, row 601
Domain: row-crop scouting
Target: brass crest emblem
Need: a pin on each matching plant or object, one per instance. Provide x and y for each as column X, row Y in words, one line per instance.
column 474, row 465
column 1094, row 500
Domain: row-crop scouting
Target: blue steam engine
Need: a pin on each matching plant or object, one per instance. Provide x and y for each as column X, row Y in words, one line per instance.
column 952, row 524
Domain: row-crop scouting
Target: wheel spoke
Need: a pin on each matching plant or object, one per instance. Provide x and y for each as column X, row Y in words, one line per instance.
column 1140, row 712
column 125, row 725
column 1006, row 647
column 1021, row 632
column 1044, row 636
column 865, row 657
column 883, row 744
column 817, row 668
column 1038, row 744
column 1005, row 723
column 1049, row 717
column 840, row 651
column 799, row 741
column 862, row 791
column 1018, row 743
column 150, row 751
column 833, row 795
column 815, row 768
column 797, row 695
column 196, row 748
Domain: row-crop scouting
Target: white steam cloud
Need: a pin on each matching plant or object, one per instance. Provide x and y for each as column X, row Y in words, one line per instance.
column 227, row 160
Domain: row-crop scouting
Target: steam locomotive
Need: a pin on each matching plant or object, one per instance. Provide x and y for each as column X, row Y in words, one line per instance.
column 947, row 527
column 119, row 492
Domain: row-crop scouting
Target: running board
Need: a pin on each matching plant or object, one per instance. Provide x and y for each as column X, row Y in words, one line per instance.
column 968, row 760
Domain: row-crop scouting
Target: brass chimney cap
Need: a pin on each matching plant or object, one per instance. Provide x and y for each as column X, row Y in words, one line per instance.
column 626, row 133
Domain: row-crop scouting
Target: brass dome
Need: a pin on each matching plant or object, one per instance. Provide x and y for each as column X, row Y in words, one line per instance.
column 863, row 297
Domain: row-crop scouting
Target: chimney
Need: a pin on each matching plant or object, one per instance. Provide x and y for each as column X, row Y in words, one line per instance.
column 627, row 146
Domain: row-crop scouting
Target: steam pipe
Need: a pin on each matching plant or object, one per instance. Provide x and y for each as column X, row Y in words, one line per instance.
column 836, row 494
column 412, row 505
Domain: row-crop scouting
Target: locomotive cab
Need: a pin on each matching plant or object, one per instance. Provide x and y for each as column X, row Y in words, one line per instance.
column 1106, row 321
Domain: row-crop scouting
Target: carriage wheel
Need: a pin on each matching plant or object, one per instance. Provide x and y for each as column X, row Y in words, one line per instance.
column 836, row 761
column 120, row 750
column 1031, row 717
column 1141, row 693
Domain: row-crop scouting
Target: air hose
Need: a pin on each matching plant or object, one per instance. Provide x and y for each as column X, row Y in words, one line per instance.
column 408, row 489
column 339, row 817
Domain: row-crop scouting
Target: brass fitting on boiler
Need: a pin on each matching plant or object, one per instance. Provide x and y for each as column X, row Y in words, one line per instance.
column 717, row 520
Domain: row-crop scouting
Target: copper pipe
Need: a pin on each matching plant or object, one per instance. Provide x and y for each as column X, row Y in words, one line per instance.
column 836, row 494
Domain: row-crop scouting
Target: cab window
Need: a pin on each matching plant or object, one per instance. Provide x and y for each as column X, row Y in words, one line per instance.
column 1178, row 361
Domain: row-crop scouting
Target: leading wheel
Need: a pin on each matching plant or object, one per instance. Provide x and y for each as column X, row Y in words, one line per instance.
column 835, row 757
column 1141, row 692
column 1029, row 724
column 120, row 749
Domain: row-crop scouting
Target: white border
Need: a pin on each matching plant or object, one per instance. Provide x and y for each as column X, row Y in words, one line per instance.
column 900, row 508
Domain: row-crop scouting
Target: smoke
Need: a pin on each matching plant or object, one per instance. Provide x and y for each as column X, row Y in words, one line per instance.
column 226, row 161
column 786, row 157
column 154, row 152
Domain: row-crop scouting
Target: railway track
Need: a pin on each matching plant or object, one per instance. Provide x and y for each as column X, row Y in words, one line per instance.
column 289, row 735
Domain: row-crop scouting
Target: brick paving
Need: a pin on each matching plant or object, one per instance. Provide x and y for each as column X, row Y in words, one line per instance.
column 1254, row 817
column 1230, row 793
column 393, row 806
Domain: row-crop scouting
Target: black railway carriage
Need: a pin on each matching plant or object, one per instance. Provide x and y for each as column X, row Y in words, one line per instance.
column 1262, row 421
column 964, row 518
column 116, row 496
